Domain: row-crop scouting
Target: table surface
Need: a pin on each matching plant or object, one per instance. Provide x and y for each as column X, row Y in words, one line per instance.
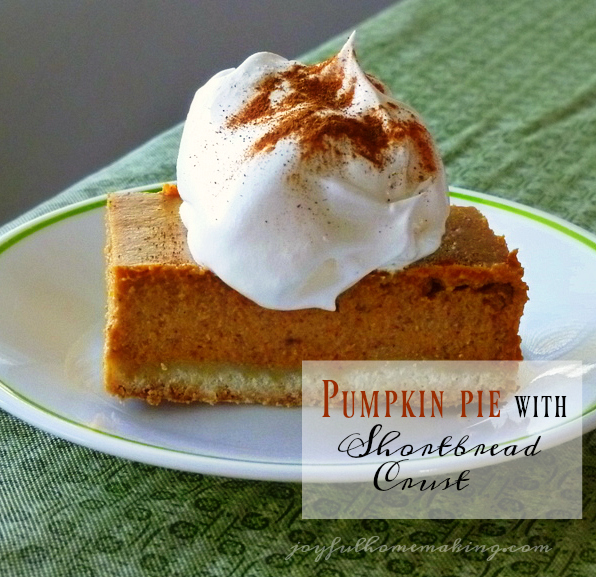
column 510, row 94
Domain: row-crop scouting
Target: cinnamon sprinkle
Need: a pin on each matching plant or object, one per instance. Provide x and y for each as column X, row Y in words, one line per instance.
column 313, row 112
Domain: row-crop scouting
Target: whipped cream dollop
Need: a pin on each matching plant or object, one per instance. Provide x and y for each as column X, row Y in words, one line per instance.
column 297, row 181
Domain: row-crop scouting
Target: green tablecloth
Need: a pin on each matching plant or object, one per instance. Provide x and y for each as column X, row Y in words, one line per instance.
column 509, row 90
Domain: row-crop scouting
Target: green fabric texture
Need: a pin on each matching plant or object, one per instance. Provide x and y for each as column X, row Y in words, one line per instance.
column 509, row 90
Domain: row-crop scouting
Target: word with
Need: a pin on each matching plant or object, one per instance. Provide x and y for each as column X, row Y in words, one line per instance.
column 524, row 402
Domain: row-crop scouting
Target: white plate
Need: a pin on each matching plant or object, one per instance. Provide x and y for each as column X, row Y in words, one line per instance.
column 52, row 305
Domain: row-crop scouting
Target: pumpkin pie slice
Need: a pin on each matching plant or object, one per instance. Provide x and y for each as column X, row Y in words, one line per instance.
column 176, row 332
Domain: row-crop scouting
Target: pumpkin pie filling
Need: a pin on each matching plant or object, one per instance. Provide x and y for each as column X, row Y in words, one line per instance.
column 176, row 332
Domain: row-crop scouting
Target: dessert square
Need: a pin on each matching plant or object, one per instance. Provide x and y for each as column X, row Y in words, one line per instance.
column 176, row 332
